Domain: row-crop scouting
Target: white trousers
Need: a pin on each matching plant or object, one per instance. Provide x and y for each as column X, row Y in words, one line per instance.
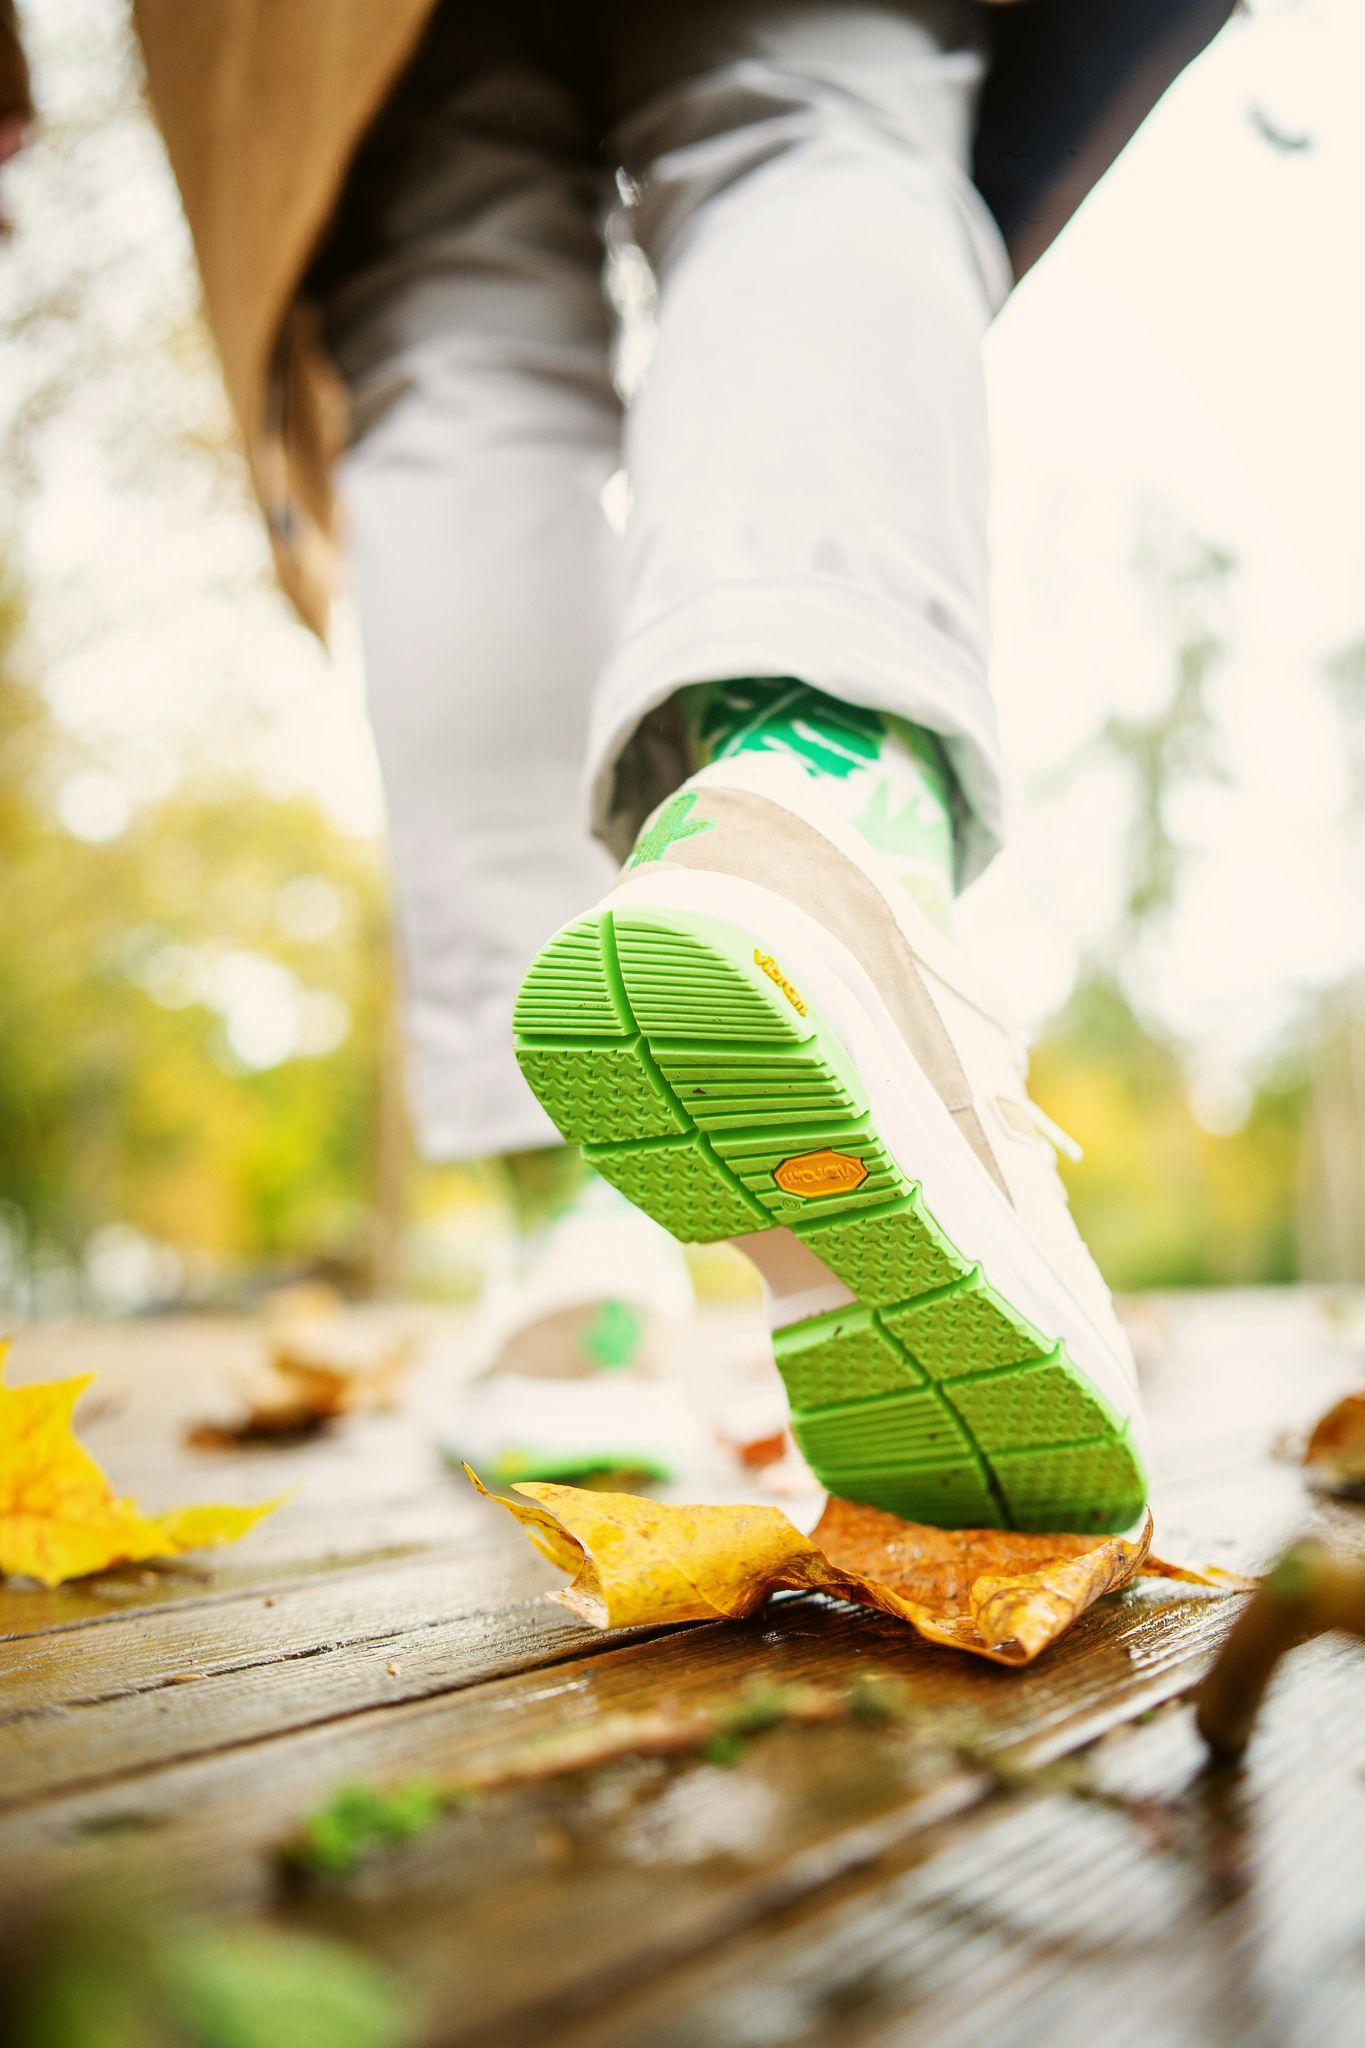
column 804, row 458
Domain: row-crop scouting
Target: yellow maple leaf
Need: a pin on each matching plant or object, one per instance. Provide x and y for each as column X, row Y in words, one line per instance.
column 993, row 1593
column 59, row 1516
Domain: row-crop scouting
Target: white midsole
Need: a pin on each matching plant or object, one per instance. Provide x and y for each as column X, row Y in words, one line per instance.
column 910, row 1117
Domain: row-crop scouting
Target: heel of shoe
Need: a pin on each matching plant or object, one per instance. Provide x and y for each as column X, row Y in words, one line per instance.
column 692, row 1071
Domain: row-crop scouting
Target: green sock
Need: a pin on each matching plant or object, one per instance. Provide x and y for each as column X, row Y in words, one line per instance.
column 888, row 779
column 540, row 1185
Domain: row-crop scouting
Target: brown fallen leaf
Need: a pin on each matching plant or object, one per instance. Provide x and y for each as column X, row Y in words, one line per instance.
column 316, row 1372
column 1335, row 1452
column 992, row 1593
column 269, row 1418
column 365, row 1383
column 757, row 1452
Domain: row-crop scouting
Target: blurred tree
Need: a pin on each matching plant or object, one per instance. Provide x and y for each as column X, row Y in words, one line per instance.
column 1332, row 1196
column 1332, row 1192
column 1178, row 742
column 1160, row 1201
column 192, row 1004
column 195, row 989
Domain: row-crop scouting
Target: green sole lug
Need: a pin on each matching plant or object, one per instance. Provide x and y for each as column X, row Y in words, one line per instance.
column 965, row 1329
column 680, row 1186
column 601, row 1094
column 1046, row 1402
column 882, row 1259
column 843, row 1356
column 1099, row 1481
column 700, row 1083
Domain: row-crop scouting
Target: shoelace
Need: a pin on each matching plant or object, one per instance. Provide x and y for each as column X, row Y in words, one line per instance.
column 1060, row 1140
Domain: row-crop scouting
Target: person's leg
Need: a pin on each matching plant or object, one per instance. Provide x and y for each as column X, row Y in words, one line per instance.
column 773, row 1041
column 807, row 454
column 465, row 310
column 462, row 296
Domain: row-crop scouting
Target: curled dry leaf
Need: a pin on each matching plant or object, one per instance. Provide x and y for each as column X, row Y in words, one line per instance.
column 1335, row 1452
column 59, row 1516
column 758, row 1453
column 992, row 1593
column 317, row 1371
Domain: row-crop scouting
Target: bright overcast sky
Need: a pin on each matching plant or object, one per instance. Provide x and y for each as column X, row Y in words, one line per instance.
column 1185, row 361
column 1190, row 352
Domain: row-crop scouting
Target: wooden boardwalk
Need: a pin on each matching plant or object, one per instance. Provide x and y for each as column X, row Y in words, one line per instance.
column 848, row 1884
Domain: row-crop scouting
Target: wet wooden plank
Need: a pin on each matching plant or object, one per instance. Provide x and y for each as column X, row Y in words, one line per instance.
column 1125, row 1657
column 688, row 1874
column 317, row 1667
column 372, row 1491
column 154, row 1381
column 84, row 1709
column 64, row 1669
column 238, row 1704
column 1215, row 1908
column 314, row 1548
column 81, row 1708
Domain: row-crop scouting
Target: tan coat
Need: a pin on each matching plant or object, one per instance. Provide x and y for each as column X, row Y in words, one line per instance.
column 263, row 102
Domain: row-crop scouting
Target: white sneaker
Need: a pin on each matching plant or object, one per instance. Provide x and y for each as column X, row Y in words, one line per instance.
column 599, row 1289
column 758, row 1035
column 566, row 1362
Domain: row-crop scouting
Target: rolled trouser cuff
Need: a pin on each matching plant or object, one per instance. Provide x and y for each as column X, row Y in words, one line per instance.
column 849, row 643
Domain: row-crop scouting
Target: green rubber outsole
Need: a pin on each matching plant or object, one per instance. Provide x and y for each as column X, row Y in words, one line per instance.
column 699, row 1081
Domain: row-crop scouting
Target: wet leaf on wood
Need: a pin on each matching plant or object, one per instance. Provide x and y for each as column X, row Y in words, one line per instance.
column 992, row 1593
column 1335, row 1452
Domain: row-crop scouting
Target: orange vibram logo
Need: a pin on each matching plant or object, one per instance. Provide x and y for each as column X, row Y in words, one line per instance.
column 820, row 1173
column 774, row 973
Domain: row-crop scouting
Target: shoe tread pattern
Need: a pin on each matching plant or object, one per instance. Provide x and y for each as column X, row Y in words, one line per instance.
column 690, row 1075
